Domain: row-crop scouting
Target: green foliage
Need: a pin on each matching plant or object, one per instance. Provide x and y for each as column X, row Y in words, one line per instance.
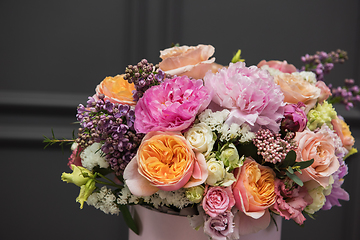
column 53, row 140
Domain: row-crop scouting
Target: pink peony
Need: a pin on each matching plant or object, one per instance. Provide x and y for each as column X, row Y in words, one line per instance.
column 218, row 200
column 320, row 147
column 171, row 106
column 291, row 200
column 219, row 227
column 193, row 62
column 249, row 93
column 281, row 66
column 295, row 119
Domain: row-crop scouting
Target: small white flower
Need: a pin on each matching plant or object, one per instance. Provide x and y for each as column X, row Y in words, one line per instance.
column 307, row 76
column 216, row 171
column 92, row 156
column 104, row 200
column 201, row 138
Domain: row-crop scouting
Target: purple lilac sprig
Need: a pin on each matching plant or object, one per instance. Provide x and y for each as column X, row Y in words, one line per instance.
column 348, row 95
column 322, row 63
column 144, row 75
column 113, row 125
column 271, row 146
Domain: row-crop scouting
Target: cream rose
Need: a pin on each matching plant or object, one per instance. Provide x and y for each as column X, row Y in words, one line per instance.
column 216, row 171
column 190, row 61
column 317, row 194
column 320, row 147
column 201, row 138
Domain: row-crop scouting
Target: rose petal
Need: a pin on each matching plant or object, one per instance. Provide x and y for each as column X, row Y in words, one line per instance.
column 248, row 225
column 136, row 183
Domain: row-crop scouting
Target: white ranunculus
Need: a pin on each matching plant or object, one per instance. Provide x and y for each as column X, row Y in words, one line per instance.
column 318, row 196
column 216, row 171
column 201, row 138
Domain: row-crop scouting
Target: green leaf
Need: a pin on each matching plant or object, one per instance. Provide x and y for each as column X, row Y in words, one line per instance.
column 304, row 164
column 295, row 178
column 289, row 159
column 290, row 170
column 128, row 218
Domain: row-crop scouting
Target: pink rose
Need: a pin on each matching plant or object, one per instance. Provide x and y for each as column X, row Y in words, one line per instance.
column 166, row 161
column 281, row 66
column 171, row 106
column 320, row 147
column 219, row 227
column 254, row 201
column 190, row 61
column 325, row 91
column 218, row 200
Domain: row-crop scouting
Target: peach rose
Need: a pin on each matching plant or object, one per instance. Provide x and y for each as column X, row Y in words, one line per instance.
column 116, row 90
column 254, row 190
column 166, row 161
column 296, row 89
column 320, row 147
column 281, row 66
column 343, row 131
column 190, row 61
column 325, row 91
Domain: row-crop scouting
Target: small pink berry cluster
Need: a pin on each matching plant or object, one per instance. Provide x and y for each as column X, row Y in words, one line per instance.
column 271, row 146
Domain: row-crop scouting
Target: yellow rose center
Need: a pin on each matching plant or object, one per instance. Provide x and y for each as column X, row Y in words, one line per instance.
column 165, row 159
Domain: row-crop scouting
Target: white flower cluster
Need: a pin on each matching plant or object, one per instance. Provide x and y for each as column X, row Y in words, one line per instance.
column 104, row 200
column 92, row 156
column 160, row 198
column 215, row 120
column 169, row 198
column 307, row 76
column 126, row 197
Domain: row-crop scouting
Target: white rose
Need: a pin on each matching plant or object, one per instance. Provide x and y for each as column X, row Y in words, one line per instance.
column 216, row 171
column 318, row 196
column 201, row 138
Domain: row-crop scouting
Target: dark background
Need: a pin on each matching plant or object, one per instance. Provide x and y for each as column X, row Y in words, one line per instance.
column 54, row 53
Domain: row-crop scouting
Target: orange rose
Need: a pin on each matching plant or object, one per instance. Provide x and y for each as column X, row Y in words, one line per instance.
column 296, row 89
column 116, row 90
column 343, row 131
column 254, row 190
column 190, row 61
column 166, row 161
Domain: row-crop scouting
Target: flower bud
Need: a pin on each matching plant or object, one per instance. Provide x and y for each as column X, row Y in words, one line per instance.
column 230, row 156
column 216, row 171
column 79, row 176
column 85, row 191
column 195, row 194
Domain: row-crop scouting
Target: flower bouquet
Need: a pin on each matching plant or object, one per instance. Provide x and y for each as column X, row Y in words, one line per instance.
column 231, row 147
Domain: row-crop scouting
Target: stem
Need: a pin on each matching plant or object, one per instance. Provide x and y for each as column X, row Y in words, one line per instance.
column 112, row 183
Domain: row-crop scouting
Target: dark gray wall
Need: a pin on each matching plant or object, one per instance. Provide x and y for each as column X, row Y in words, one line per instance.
column 54, row 53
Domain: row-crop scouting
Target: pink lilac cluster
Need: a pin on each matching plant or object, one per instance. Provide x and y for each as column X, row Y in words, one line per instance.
column 113, row 124
column 322, row 63
column 347, row 95
column 249, row 93
column 144, row 75
column 271, row 146
column 291, row 200
column 172, row 105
